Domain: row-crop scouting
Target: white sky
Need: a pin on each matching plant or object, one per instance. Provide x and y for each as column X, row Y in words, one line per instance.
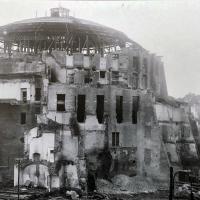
column 169, row 28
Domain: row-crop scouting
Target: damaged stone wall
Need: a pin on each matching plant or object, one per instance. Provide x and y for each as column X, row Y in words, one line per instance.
column 128, row 156
column 33, row 174
column 12, row 133
column 57, row 72
column 22, row 90
column 11, row 89
column 22, row 65
column 96, row 110
column 193, row 102
column 177, row 135
column 148, row 139
column 102, row 118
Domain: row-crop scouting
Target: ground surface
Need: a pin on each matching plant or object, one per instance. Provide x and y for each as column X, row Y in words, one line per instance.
column 11, row 194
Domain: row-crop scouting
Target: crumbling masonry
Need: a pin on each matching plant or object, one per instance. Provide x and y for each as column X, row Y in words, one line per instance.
column 81, row 101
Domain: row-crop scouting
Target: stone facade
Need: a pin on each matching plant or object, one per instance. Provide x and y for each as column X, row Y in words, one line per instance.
column 103, row 127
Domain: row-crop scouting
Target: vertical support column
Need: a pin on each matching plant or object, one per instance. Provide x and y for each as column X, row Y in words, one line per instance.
column 140, row 55
column 171, row 185
column 24, row 42
column 79, row 44
column 72, row 45
column 18, row 181
column 5, row 46
column 9, row 49
column 61, row 43
column 40, row 45
column 148, row 71
column 55, row 46
column 102, row 51
column 35, row 47
column 87, row 45
column 45, row 45
column 115, row 47
column 28, row 46
column 20, row 46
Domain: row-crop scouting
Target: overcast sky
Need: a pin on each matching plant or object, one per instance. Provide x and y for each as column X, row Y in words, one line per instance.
column 169, row 28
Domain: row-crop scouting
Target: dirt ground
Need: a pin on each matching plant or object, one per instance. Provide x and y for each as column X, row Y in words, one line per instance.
column 12, row 195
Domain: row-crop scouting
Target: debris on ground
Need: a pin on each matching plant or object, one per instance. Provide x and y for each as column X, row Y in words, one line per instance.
column 185, row 191
column 58, row 195
column 72, row 194
column 126, row 184
column 120, row 187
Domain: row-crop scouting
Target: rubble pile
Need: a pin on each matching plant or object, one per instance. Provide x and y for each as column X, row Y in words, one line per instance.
column 125, row 184
column 185, row 191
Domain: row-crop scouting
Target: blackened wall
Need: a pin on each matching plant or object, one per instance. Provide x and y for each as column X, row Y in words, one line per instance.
column 12, row 132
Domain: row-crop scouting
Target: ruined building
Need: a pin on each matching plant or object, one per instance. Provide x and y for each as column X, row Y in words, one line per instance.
column 81, row 101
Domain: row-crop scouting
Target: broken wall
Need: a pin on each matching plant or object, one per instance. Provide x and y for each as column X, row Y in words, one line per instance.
column 157, row 80
column 34, row 174
column 11, row 133
column 57, row 72
column 11, row 67
column 70, row 148
column 148, row 139
column 125, row 128
column 11, row 89
column 176, row 134
column 135, row 137
column 43, row 145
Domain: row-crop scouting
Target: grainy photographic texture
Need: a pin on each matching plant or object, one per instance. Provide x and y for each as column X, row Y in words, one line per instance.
column 99, row 100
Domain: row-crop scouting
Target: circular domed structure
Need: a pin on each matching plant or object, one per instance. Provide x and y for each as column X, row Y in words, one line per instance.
column 60, row 31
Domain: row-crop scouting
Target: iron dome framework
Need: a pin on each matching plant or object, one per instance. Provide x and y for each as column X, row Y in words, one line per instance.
column 60, row 32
